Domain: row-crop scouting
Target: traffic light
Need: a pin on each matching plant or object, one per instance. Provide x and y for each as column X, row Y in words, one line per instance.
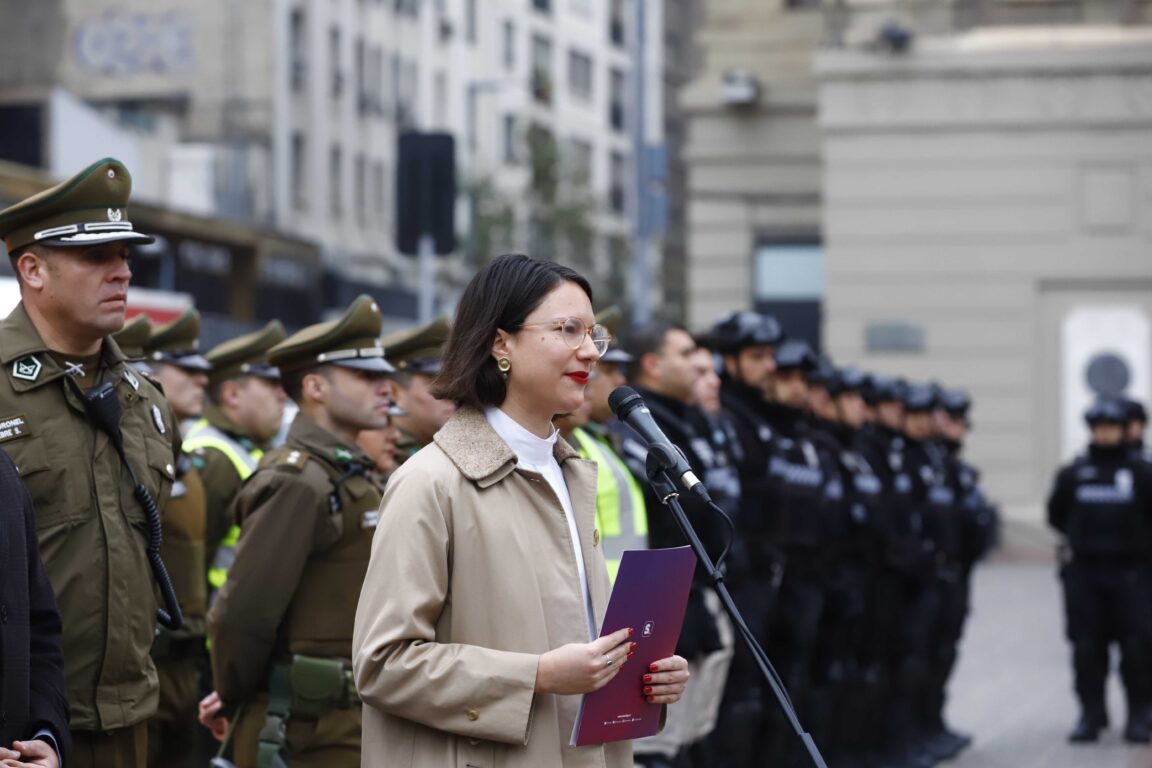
column 426, row 191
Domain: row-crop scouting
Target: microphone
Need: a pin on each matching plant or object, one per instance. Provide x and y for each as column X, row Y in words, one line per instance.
column 629, row 408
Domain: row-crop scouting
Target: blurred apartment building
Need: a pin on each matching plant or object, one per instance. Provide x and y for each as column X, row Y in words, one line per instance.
column 951, row 191
column 283, row 115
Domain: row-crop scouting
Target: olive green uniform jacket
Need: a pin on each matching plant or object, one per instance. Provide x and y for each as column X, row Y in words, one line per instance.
column 92, row 531
column 300, row 561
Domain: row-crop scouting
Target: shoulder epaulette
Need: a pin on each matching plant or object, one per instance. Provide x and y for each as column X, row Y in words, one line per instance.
column 288, row 460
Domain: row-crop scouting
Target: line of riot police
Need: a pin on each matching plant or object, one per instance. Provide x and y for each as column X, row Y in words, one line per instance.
column 856, row 528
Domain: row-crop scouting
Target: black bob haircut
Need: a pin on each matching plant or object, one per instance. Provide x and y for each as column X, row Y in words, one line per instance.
column 499, row 297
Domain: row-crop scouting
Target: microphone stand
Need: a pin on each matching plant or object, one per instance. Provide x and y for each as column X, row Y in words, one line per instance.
column 659, row 462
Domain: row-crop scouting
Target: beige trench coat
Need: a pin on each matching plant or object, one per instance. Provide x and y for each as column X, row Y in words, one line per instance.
column 472, row 578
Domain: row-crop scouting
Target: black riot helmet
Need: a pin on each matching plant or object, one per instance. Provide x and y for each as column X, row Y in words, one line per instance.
column 745, row 328
column 1106, row 410
column 795, row 354
column 849, row 379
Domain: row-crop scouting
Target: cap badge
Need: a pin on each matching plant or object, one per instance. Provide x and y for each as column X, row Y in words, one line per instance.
column 114, row 214
column 111, row 173
column 158, row 419
column 27, row 368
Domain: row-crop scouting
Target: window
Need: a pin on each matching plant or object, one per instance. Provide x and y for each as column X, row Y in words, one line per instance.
column 544, row 6
column 411, row 90
column 579, row 157
column 361, row 64
column 440, row 98
column 380, row 194
column 376, row 92
column 618, row 182
column 298, row 41
column 580, row 74
column 541, row 69
column 397, row 95
column 299, row 172
column 788, row 282
column 510, row 139
column 361, row 201
column 336, row 182
column 789, row 271
column 334, row 62
column 616, row 33
column 617, row 100
column 509, row 45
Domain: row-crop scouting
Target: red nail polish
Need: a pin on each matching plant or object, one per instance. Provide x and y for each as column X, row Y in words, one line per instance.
column 651, row 699
column 647, row 678
column 653, row 668
column 630, row 631
column 648, row 689
column 631, row 646
column 630, row 655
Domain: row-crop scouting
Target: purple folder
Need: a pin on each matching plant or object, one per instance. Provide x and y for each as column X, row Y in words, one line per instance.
column 650, row 595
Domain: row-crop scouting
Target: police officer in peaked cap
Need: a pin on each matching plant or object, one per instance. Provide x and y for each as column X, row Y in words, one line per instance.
column 282, row 626
column 69, row 248
column 172, row 352
column 416, row 355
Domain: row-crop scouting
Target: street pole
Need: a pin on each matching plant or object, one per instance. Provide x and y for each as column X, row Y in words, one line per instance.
column 427, row 256
column 641, row 277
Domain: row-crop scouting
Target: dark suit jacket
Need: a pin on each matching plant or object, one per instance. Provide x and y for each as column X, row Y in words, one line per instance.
column 31, row 663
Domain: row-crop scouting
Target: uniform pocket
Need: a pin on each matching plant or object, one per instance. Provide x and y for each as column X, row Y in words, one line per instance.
column 51, row 486
column 158, row 477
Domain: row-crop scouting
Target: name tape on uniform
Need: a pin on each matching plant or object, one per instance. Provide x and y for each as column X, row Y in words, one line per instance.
column 13, row 427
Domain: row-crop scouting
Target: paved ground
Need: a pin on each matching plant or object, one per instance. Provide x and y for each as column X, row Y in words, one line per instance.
column 1013, row 688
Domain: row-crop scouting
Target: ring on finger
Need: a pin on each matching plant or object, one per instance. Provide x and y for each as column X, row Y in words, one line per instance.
column 607, row 660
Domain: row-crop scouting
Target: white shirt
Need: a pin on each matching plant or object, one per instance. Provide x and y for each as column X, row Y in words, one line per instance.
column 535, row 454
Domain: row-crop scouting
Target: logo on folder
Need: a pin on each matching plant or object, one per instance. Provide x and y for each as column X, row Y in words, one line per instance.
column 649, row 628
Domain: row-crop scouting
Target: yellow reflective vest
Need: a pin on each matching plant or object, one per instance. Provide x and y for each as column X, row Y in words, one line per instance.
column 620, row 512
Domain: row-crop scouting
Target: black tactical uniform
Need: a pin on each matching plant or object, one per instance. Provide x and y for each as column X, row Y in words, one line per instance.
column 754, row 564
column 848, row 616
column 802, row 504
column 1102, row 504
column 688, row 429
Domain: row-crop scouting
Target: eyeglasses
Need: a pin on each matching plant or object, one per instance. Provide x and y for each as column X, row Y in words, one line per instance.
column 573, row 329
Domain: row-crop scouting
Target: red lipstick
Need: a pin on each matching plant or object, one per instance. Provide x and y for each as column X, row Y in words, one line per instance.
column 580, row 377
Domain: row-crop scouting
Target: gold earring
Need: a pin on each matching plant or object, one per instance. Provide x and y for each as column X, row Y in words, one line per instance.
column 504, row 364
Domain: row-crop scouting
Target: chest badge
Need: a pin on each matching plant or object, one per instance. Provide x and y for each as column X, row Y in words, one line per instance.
column 27, row 368
column 158, row 419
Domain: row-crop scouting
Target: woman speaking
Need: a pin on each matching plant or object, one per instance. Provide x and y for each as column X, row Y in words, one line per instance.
column 476, row 631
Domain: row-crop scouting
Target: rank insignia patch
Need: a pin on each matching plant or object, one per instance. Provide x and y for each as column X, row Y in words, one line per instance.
column 27, row 368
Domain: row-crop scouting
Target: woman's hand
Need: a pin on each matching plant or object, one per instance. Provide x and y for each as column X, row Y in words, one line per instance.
column 30, row 754
column 665, row 680
column 584, row 667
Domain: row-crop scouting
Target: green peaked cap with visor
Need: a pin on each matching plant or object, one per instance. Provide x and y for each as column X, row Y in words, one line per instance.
column 350, row 341
column 246, row 355
column 87, row 209
column 178, row 343
column 133, row 336
column 418, row 350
